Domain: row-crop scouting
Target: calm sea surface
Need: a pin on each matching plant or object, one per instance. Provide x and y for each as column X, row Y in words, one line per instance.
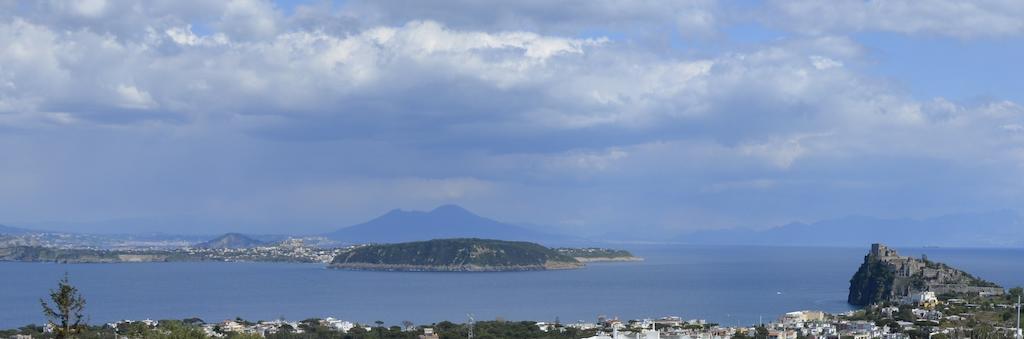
column 724, row 284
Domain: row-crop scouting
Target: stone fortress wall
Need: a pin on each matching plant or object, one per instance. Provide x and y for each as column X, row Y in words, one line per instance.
column 938, row 279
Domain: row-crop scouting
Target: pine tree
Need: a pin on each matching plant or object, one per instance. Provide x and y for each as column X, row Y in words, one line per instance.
column 65, row 315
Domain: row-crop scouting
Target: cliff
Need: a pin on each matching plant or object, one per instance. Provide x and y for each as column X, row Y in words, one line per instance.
column 887, row 276
column 455, row 255
column 60, row 255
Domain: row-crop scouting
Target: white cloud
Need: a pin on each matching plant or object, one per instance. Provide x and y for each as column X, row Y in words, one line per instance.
column 963, row 19
column 132, row 97
column 249, row 19
column 571, row 17
column 541, row 114
column 88, row 8
column 823, row 63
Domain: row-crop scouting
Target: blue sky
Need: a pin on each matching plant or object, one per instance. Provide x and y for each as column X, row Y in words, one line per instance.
column 585, row 116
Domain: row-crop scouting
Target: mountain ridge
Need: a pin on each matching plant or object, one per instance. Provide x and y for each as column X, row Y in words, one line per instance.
column 445, row 221
column 455, row 255
column 9, row 230
column 1002, row 228
column 230, row 241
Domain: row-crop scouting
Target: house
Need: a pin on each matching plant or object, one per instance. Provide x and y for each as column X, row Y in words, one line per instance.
column 924, row 299
column 800, row 317
column 782, row 334
column 669, row 321
column 337, row 324
column 231, row 326
column 926, row 314
column 428, row 333
column 890, row 311
column 857, row 335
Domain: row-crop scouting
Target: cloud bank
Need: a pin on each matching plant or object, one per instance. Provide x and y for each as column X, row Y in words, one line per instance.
column 247, row 115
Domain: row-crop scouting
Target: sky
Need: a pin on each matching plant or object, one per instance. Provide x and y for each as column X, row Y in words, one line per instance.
column 584, row 116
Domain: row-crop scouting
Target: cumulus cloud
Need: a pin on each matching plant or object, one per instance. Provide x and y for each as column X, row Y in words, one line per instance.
column 572, row 17
column 962, row 19
column 239, row 110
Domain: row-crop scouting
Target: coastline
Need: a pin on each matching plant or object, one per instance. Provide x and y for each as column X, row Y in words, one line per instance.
column 454, row 268
column 608, row 259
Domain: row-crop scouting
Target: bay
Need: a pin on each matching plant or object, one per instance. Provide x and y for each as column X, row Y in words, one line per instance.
column 724, row 284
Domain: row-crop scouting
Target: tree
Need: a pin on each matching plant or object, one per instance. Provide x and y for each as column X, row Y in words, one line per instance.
column 65, row 314
column 407, row 325
column 380, row 328
column 1016, row 292
column 906, row 313
column 761, row 332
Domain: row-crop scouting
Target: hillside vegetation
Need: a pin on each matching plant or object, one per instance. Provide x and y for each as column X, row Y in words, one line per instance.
column 464, row 254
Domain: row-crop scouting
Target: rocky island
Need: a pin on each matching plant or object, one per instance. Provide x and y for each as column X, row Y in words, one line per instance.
column 887, row 276
column 455, row 255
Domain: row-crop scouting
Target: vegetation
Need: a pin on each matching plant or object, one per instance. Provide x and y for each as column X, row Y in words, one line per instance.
column 38, row 253
column 312, row 329
column 594, row 252
column 65, row 314
column 972, row 280
column 873, row 283
column 453, row 253
column 1016, row 292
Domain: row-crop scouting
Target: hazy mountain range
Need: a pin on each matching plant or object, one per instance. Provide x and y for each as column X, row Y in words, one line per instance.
column 991, row 229
column 230, row 240
column 447, row 221
column 13, row 230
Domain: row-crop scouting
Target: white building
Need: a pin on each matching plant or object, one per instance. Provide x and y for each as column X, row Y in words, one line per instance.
column 340, row 325
column 926, row 298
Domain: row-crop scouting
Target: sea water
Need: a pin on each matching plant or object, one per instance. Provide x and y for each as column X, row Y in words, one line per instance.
column 729, row 285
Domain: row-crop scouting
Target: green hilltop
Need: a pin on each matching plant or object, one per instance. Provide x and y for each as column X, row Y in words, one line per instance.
column 461, row 254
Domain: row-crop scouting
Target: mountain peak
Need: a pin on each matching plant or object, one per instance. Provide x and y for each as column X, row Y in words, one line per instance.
column 230, row 240
column 450, row 209
column 445, row 221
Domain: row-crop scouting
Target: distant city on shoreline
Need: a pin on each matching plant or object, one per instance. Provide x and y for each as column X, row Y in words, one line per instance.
column 506, row 169
column 900, row 297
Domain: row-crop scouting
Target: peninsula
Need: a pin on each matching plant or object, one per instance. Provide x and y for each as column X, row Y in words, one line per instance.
column 455, row 255
column 595, row 254
column 886, row 276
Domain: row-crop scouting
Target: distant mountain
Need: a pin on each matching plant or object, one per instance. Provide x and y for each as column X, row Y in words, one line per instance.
column 455, row 255
column 230, row 240
column 992, row 229
column 447, row 221
column 13, row 230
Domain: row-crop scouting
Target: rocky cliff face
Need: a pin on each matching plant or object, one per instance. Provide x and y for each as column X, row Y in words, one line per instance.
column 887, row 276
